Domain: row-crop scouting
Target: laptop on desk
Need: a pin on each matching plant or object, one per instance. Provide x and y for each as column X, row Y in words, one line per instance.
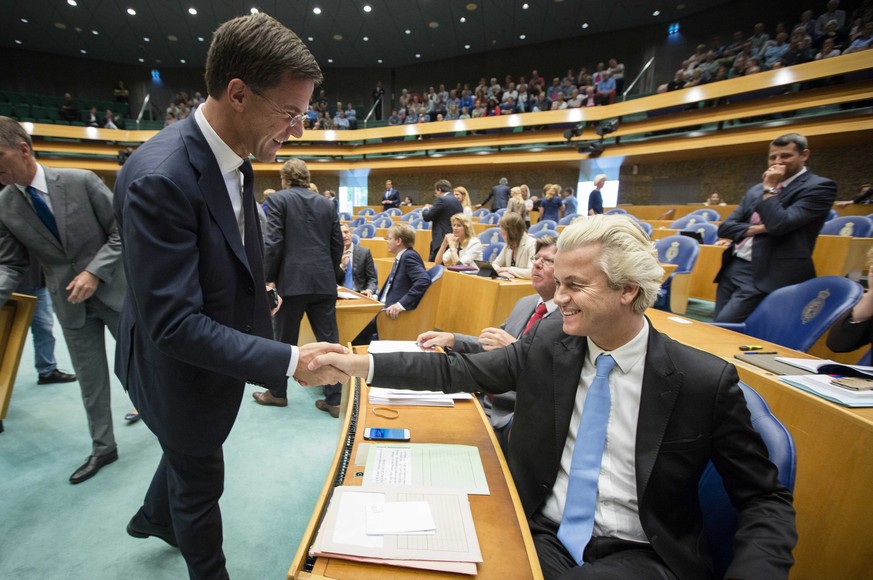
column 486, row 270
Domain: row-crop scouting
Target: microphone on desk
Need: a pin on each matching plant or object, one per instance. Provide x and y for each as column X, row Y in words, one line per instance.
column 666, row 214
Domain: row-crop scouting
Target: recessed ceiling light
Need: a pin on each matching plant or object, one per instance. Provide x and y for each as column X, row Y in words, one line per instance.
column 467, row 46
column 656, row 13
column 417, row 55
column 182, row 60
column 254, row 10
column 316, row 10
column 366, row 38
column 131, row 11
column 83, row 51
column 407, row 31
column 95, row 33
column 200, row 38
column 25, row 20
column 337, row 36
column 433, row 24
column 311, row 39
column 17, row 41
column 368, row 8
column 463, row 20
column 584, row 25
column 192, row 11
column 525, row 6
column 172, row 37
column 146, row 38
column 72, row 2
column 60, row 26
column 330, row 60
column 379, row 61
column 522, row 37
column 141, row 60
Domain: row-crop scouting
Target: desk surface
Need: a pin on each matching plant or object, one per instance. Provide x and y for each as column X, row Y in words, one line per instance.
column 352, row 315
column 504, row 538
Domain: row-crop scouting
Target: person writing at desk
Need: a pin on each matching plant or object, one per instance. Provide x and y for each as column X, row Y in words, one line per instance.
column 855, row 328
column 461, row 246
column 614, row 424
column 514, row 260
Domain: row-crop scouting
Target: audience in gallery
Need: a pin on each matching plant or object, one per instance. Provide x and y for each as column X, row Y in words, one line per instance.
column 516, row 258
column 460, row 246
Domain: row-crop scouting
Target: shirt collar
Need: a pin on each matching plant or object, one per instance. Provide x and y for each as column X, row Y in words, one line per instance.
column 227, row 160
column 39, row 183
column 788, row 181
column 628, row 354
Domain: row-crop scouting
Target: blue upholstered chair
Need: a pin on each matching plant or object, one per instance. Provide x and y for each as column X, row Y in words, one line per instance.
column 383, row 222
column 568, row 219
column 544, row 232
column 423, row 225
column 682, row 251
column 491, row 218
column 490, row 236
column 853, row 226
column 688, row 220
column 832, row 215
column 646, row 227
column 542, row 224
column 500, row 211
column 482, row 211
column 365, row 231
column 344, row 215
column 358, row 221
column 709, row 232
column 711, row 215
column 356, row 239
column 411, row 216
column 366, row 211
column 394, row 211
column 491, row 251
column 719, row 516
column 616, row 210
column 796, row 316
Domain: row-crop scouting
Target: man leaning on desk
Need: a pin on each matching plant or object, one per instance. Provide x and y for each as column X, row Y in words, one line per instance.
column 628, row 509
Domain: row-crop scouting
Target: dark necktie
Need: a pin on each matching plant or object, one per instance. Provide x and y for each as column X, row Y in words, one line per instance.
column 43, row 212
column 252, row 240
column 537, row 315
column 349, row 281
column 577, row 522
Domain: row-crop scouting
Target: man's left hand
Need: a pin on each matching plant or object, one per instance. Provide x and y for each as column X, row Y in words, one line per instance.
column 322, row 375
column 492, row 338
column 82, row 287
column 394, row 311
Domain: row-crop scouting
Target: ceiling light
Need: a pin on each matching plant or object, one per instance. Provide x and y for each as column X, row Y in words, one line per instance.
column 311, row 39
column 368, row 8
column 141, row 60
column 83, row 51
column 525, row 6
column 656, row 13
column 131, row 11
column 467, row 46
column 337, row 36
column 316, row 10
column 522, row 37
column 60, row 26
column 182, row 60
column 192, row 11
column 471, row 6
column 366, row 38
column 72, row 2
column 417, row 55
column 146, row 38
column 17, row 41
column 200, row 38
column 95, row 33
column 25, row 20
column 330, row 60
column 254, row 10
column 379, row 61
column 78, row 29
column 463, row 19
column 407, row 31
column 584, row 25
column 433, row 24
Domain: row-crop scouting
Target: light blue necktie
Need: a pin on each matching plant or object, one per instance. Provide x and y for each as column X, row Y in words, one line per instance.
column 43, row 212
column 349, row 282
column 577, row 523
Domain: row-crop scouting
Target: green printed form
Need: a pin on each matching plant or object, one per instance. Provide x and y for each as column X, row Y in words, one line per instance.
column 426, row 465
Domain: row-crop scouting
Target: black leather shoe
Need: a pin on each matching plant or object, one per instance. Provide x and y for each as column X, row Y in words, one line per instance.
column 92, row 466
column 140, row 527
column 56, row 376
column 322, row 405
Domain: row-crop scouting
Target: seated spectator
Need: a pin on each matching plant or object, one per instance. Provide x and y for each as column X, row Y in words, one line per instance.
column 807, row 23
column 605, row 89
column 616, row 71
column 169, row 119
column 735, row 46
column 863, row 41
column 832, row 14
column 460, row 246
column 406, row 201
column 119, row 93
column 551, row 203
column 109, row 120
column 714, row 199
column 340, row 123
column 516, row 258
column 395, row 119
column 678, row 81
column 69, row 110
column 463, row 196
column 357, row 270
column 833, row 32
column 774, row 51
column 758, row 39
column 827, row 50
column 93, row 119
column 864, row 195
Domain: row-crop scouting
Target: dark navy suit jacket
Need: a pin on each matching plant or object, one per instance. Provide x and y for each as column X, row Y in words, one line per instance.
column 409, row 283
column 393, row 196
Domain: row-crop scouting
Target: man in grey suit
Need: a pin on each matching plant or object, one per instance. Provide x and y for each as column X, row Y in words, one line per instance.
column 524, row 315
column 301, row 260
column 64, row 219
column 357, row 269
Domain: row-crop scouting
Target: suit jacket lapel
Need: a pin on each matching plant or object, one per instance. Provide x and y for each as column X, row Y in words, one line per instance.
column 661, row 386
column 58, row 197
column 212, row 187
column 787, row 194
column 569, row 356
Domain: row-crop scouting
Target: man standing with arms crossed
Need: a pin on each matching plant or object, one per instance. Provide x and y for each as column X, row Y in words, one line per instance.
column 196, row 322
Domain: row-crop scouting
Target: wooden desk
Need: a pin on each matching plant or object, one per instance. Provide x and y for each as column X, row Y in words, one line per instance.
column 422, row 241
column 841, row 256
column 15, row 318
column 702, row 275
column 504, row 538
column 469, row 303
column 834, row 471
column 378, row 247
column 352, row 315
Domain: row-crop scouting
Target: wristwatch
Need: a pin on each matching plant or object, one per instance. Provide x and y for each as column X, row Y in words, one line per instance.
column 772, row 190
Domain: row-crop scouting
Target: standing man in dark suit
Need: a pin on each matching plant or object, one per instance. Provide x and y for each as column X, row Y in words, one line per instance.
column 301, row 260
column 391, row 197
column 63, row 219
column 773, row 230
column 357, row 269
column 598, row 374
column 524, row 315
column 440, row 213
column 196, row 322
column 595, row 198
column 500, row 194
column 406, row 283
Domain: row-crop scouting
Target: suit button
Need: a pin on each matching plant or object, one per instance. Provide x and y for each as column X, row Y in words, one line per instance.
column 546, row 487
column 248, row 328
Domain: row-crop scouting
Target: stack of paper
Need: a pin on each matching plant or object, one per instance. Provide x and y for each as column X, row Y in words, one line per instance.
column 821, row 386
column 828, row 367
column 379, row 396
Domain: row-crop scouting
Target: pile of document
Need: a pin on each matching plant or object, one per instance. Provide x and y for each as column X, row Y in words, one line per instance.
column 826, row 383
column 421, row 398
column 411, row 510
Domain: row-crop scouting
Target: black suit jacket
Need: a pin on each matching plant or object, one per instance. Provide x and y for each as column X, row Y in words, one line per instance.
column 500, row 193
column 195, row 323
column 410, row 281
column 691, row 411
column 364, row 275
column 303, row 243
column 391, row 195
column 782, row 256
column 440, row 213
column 595, row 201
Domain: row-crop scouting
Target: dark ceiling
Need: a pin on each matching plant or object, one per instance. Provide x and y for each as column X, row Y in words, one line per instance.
column 393, row 33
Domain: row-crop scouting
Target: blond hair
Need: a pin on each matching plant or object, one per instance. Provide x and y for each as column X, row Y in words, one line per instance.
column 404, row 233
column 465, row 221
column 465, row 197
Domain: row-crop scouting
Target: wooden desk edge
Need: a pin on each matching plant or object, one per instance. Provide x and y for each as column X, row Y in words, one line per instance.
column 23, row 306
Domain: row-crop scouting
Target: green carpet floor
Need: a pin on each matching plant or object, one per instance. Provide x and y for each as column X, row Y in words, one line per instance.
column 276, row 462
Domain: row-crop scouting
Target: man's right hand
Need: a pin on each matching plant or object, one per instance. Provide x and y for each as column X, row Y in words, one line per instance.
column 355, row 365
column 322, row 375
column 432, row 339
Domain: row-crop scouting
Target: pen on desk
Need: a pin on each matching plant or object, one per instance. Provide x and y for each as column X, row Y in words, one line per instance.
column 758, row 352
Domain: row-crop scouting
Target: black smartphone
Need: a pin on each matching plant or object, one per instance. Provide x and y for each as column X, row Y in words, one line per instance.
column 274, row 298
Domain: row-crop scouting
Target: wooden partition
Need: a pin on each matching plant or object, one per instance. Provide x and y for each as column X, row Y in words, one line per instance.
column 15, row 317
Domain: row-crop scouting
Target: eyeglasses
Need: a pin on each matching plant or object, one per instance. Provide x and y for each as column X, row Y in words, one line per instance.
column 293, row 120
column 544, row 261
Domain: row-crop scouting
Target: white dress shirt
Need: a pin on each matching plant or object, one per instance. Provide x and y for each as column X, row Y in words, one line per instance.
column 40, row 184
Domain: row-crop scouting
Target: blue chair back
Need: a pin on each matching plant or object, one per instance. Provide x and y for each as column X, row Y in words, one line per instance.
column 492, row 250
column 646, row 227
column 616, row 210
column 545, row 232
column 491, row 218
column 679, row 250
column 796, row 316
column 709, row 214
column 568, row 219
column 855, row 226
column 358, row 221
column 393, row 211
column 719, row 515
column 435, row 273
column 356, row 239
column 411, row 216
column 500, row 211
column 422, row 225
column 688, row 220
column 482, row 211
column 366, row 211
column 344, row 215
column 709, row 232
column 383, row 222
column 832, row 215
column 547, row 224
column 365, row 231
column 490, row 236
column 865, row 360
